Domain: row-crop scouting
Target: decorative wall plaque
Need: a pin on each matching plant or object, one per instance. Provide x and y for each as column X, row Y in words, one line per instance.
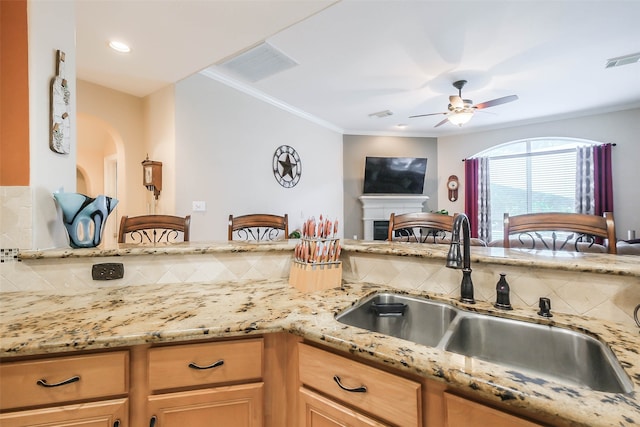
column 60, row 120
column 287, row 167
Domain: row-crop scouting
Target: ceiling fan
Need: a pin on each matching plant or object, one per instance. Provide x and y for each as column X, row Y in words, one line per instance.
column 461, row 110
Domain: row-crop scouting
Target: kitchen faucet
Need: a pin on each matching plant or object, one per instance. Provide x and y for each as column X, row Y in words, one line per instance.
column 458, row 261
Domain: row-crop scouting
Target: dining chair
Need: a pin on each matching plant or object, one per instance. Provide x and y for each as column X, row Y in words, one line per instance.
column 154, row 229
column 258, row 227
column 585, row 233
column 419, row 227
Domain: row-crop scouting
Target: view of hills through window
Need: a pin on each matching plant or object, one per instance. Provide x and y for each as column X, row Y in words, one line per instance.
column 530, row 176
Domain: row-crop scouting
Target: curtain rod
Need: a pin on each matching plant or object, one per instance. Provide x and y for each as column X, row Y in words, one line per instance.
column 613, row 144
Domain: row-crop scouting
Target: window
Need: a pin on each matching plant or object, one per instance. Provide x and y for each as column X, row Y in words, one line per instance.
column 534, row 175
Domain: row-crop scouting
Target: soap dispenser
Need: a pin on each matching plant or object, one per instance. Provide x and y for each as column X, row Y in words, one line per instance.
column 502, row 294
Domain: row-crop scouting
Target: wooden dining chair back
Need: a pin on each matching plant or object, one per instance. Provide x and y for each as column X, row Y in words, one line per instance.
column 420, row 227
column 258, row 227
column 582, row 232
column 154, row 229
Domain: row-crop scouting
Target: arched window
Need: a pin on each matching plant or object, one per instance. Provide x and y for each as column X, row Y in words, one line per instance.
column 530, row 175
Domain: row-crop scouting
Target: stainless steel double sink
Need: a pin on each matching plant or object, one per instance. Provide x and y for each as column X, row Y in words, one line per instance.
column 551, row 352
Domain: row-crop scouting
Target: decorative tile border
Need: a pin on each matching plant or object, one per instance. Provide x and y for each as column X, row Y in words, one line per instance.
column 7, row 255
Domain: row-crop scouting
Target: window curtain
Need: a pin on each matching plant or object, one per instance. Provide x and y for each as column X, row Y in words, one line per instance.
column 477, row 200
column 594, row 181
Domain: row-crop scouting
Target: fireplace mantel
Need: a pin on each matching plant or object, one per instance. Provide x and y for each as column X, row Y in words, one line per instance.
column 380, row 207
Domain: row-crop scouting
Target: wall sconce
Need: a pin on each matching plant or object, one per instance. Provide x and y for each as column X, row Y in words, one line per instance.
column 152, row 176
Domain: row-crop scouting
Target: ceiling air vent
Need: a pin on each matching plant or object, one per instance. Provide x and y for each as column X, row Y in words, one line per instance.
column 381, row 114
column 623, row 60
column 258, row 63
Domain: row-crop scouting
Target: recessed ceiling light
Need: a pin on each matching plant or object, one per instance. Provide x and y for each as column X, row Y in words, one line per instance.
column 402, row 125
column 119, row 46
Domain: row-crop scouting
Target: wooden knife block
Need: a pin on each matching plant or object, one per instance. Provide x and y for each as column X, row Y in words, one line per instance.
column 309, row 277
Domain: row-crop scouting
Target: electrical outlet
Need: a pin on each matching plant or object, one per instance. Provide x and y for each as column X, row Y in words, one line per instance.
column 107, row 271
column 199, row 206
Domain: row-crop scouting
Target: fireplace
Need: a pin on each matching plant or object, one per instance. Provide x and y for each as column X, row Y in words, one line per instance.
column 380, row 230
column 378, row 208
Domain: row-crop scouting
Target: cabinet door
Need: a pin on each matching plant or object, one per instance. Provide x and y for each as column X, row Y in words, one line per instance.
column 233, row 406
column 111, row 413
column 462, row 413
column 318, row 411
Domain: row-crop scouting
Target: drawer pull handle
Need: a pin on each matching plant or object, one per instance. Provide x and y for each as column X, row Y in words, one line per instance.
column 361, row 389
column 214, row 365
column 44, row 382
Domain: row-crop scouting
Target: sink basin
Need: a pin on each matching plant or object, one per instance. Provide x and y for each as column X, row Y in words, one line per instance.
column 565, row 356
column 419, row 320
column 531, row 349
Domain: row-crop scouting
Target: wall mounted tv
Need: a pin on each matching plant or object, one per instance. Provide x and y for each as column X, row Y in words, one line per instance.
column 394, row 175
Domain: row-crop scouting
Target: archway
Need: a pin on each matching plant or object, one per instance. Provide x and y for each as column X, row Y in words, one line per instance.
column 100, row 157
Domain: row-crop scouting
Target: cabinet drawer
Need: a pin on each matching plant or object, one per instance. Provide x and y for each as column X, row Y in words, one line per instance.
column 391, row 398
column 53, row 380
column 199, row 364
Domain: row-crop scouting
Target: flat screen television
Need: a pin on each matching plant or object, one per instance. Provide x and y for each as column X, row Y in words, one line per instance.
column 394, row 175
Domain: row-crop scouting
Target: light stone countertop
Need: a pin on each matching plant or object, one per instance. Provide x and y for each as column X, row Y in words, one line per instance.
column 46, row 323
column 625, row 265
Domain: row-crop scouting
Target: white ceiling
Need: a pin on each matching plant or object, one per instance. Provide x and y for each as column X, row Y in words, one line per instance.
column 358, row 57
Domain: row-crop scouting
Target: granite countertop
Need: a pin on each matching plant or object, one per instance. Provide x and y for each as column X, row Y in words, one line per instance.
column 46, row 323
column 626, row 265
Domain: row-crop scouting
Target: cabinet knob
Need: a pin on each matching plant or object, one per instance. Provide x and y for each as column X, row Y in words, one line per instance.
column 152, row 421
column 116, row 423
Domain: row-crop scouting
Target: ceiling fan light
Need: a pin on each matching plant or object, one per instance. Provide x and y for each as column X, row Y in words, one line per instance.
column 460, row 118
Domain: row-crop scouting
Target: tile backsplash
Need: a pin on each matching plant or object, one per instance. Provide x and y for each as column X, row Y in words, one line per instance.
column 16, row 220
column 604, row 296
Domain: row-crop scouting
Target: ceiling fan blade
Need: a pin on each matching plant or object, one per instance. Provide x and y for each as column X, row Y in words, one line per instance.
column 456, row 101
column 442, row 122
column 496, row 101
column 425, row 115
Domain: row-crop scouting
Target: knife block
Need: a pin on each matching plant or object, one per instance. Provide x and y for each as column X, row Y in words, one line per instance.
column 309, row 277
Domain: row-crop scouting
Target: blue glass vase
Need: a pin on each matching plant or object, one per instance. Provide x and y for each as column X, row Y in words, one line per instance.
column 84, row 217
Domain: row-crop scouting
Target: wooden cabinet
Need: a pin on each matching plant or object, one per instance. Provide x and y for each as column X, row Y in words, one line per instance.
column 86, row 390
column 108, row 413
column 195, row 384
column 461, row 412
column 233, row 406
column 273, row 381
column 360, row 393
column 318, row 411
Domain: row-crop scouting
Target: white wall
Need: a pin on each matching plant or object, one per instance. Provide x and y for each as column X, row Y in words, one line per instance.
column 51, row 28
column 160, row 137
column 225, row 141
column 621, row 128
